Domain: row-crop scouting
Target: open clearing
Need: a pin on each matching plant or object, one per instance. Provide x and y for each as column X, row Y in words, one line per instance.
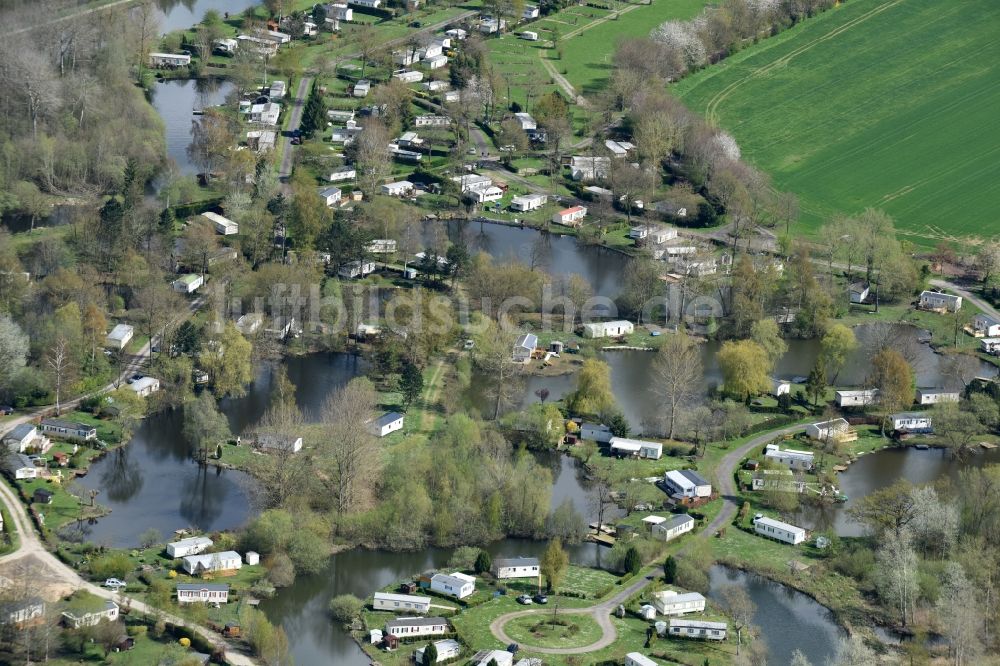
column 884, row 103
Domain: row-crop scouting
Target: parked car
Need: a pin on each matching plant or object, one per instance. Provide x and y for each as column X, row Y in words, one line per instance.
column 513, row 648
column 469, row 344
column 114, row 583
column 541, row 599
column 6, row 410
column 524, row 600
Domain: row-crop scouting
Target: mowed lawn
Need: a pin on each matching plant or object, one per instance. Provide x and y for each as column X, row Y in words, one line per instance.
column 884, row 103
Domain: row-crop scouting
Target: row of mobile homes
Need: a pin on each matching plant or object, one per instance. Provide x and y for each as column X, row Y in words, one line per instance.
column 775, row 529
column 686, row 484
column 623, row 446
column 790, row 458
column 672, row 527
column 669, row 602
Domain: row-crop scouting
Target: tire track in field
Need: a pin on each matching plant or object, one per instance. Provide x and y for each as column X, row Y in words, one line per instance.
column 711, row 109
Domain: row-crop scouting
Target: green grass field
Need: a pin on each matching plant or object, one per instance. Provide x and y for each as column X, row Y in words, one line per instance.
column 884, row 103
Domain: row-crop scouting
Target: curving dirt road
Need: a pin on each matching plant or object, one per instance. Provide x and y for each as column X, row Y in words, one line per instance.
column 602, row 612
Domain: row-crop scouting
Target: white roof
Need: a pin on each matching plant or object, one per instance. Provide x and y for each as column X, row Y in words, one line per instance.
column 700, row 624
column 207, row 558
column 774, row 450
column 411, row 598
column 653, row 520
column 640, row 659
column 145, row 382
column 671, row 597
column 193, row 541
column 120, row 331
column 777, row 524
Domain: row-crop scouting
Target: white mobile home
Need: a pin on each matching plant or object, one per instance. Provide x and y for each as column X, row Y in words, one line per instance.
column 686, row 484
column 637, row 659
column 915, row 422
column 489, row 194
column 408, row 627
column 608, row 329
column 356, row 269
column 986, row 325
column 265, row 114
column 524, row 347
column 529, row 35
column 223, row 225
column 473, row 182
column 528, row 202
column 516, row 567
column 570, row 217
column 790, row 458
column 596, row 432
column 932, row 396
column 436, row 62
column 188, row 284
column 278, row 443
column 397, row 189
column 403, row 603
column 935, row 300
column 387, row 424
column 669, row 602
column 456, row 585
column 408, row 76
column 63, row 429
column 169, row 60
column 775, row 529
column 860, row 398
column 835, row 429
column 361, row 88
column 447, row 649
column 673, row 527
column 780, row 387
column 189, row 546
column 119, row 337
column 636, row 447
column 331, row 196
column 145, row 386
column 209, row 593
column 342, row 175
column 525, row 121
column 990, row 345
column 228, row 560
column 710, row 631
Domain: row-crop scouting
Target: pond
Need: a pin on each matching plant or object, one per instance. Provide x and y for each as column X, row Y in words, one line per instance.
column 633, row 382
column 153, row 482
column 882, row 468
column 788, row 620
column 183, row 14
column 176, row 101
column 558, row 255
column 302, row 608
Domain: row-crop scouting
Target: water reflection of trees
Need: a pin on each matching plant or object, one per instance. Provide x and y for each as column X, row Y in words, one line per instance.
column 121, row 478
column 203, row 497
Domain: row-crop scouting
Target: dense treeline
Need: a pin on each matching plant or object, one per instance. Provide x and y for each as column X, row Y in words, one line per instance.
column 72, row 114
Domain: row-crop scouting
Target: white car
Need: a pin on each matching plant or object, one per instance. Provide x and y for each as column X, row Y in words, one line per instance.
column 114, row 583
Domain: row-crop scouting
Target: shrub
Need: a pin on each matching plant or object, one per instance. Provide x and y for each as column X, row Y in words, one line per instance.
column 346, row 607
column 483, row 562
column 280, row 570
column 463, row 558
column 112, row 565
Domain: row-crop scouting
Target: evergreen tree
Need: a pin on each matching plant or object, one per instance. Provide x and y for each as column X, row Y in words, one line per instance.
column 816, row 382
column 411, row 383
column 168, row 221
column 633, row 561
column 618, row 425
column 430, row 652
column 314, row 115
column 483, row 562
column 670, row 569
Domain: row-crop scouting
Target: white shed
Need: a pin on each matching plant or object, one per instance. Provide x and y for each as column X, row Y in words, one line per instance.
column 223, row 225
column 119, row 337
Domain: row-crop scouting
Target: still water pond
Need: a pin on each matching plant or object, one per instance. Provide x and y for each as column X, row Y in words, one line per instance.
column 183, row 14
column 153, row 482
column 176, row 101
column 788, row 619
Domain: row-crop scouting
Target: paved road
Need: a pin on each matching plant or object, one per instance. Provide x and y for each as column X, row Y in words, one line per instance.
column 298, row 105
column 602, row 611
column 967, row 295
